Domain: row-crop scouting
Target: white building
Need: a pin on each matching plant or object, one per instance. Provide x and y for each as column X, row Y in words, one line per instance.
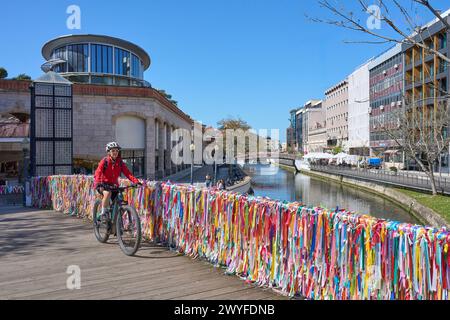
column 358, row 111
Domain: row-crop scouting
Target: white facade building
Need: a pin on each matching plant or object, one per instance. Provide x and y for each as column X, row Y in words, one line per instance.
column 358, row 111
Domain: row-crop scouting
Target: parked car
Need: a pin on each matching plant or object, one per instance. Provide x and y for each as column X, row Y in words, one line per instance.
column 374, row 163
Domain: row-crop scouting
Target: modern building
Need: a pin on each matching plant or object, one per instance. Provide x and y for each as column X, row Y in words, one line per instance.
column 299, row 129
column 336, row 110
column 302, row 123
column 291, row 141
column 111, row 101
column 317, row 130
column 313, row 118
column 386, row 97
column 427, row 76
column 358, row 111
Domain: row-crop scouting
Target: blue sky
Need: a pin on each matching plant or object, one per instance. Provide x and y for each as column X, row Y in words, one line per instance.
column 255, row 59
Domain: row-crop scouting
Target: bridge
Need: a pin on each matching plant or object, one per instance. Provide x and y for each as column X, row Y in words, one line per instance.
column 38, row 247
column 287, row 247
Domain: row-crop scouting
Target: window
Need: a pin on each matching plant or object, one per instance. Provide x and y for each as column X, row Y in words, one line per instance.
column 443, row 41
column 60, row 53
column 101, row 80
column 134, row 159
column 122, row 58
column 136, row 67
column 77, row 58
column 101, row 59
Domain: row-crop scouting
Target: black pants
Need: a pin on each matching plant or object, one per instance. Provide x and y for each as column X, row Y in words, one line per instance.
column 108, row 187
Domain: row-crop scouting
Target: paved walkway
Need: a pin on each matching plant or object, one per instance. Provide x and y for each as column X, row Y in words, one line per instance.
column 36, row 248
column 415, row 180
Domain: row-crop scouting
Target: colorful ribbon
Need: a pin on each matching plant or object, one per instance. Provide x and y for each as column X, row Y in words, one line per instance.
column 18, row 189
column 311, row 252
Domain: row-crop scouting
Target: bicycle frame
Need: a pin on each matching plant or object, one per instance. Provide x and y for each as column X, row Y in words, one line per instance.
column 115, row 206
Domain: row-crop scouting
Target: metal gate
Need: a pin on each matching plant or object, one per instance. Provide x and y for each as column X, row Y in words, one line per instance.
column 51, row 128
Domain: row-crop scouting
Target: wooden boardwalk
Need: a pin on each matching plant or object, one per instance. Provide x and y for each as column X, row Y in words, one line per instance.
column 37, row 247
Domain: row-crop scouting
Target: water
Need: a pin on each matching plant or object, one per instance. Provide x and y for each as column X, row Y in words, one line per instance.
column 280, row 184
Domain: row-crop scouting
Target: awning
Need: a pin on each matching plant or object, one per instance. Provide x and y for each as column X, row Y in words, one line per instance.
column 391, row 151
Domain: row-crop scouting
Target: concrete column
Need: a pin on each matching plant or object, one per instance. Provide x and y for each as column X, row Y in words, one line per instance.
column 172, row 145
column 161, row 171
column 168, row 149
column 150, row 148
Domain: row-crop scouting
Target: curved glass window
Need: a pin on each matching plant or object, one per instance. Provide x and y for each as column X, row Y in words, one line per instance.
column 77, row 58
column 101, row 59
column 136, row 67
column 122, row 60
column 60, row 53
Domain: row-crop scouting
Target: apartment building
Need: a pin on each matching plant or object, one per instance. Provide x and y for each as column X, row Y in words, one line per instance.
column 336, row 111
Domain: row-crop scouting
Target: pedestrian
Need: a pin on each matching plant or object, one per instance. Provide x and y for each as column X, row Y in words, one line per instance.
column 221, row 185
column 208, row 181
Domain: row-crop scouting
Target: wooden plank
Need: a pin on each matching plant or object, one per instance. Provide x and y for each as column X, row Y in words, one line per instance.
column 40, row 245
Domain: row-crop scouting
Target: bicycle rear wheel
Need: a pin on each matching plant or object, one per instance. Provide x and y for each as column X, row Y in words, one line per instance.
column 128, row 229
column 100, row 227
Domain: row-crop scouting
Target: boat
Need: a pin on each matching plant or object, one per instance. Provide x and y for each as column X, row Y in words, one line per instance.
column 302, row 165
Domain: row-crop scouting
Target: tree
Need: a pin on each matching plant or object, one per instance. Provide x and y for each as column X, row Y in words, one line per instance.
column 22, row 76
column 337, row 149
column 422, row 132
column 233, row 123
column 3, row 73
column 412, row 34
column 239, row 129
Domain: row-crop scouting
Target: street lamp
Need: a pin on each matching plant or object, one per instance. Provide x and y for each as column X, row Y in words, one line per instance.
column 192, row 148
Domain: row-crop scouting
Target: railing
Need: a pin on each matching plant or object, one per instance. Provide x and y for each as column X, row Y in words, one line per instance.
column 416, row 180
column 311, row 252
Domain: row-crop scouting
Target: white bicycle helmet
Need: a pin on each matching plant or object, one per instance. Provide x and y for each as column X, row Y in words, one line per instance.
column 112, row 145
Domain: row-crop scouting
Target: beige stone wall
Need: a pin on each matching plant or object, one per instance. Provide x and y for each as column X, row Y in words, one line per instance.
column 317, row 140
column 94, row 126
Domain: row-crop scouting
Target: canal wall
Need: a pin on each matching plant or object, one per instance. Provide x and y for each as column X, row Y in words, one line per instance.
column 424, row 214
column 310, row 252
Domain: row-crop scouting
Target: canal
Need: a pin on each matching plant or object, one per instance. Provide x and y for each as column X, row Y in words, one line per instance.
column 280, row 184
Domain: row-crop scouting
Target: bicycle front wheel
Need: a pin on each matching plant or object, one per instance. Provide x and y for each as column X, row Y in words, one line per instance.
column 128, row 228
column 101, row 228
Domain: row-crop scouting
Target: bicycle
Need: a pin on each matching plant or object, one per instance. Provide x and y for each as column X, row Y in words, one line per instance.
column 122, row 221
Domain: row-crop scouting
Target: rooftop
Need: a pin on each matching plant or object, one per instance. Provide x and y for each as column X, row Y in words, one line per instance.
column 51, row 45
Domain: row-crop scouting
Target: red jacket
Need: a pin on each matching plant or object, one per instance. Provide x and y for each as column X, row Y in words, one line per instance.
column 111, row 173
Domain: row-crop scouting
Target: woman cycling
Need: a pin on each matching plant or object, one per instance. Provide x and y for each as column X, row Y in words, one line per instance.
column 107, row 176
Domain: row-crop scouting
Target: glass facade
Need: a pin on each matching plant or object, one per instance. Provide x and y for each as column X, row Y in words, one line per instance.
column 60, row 53
column 137, row 70
column 386, row 85
column 98, row 61
column 122, row 62
column 101, row 59
column 78, row 58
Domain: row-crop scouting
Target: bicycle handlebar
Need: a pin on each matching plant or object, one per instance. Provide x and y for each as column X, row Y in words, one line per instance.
column 121, row 189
